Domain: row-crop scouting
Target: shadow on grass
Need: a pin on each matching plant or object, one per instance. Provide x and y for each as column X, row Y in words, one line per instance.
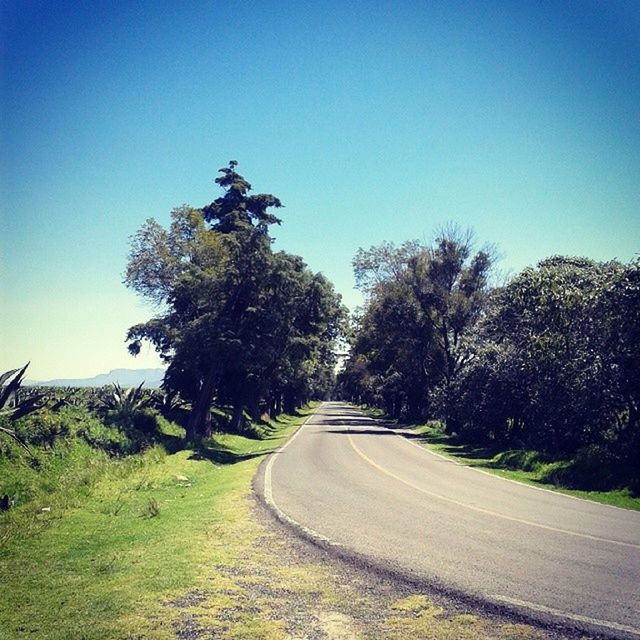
column 213, row 450
column 470, row 452
column 223, row 455
column 171, row 444
column 541, row 468
column 281, row 419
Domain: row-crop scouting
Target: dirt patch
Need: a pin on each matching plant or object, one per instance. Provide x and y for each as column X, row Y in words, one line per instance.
column 190, row 599
column 336, row 625
column 284, row 588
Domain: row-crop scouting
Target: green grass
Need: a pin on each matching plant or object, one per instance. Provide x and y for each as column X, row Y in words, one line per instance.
column 528, row 467
column 155, row 545
column 111, row 548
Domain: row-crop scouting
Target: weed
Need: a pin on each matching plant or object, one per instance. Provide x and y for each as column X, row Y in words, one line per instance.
column 151, row 509
column 114, row 508
column 106, row 567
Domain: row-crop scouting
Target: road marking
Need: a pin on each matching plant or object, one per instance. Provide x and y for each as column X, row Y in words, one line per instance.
column 486, row 511
column 570, row 616
column 268, row 494
column 268, row 491
column 425, row 448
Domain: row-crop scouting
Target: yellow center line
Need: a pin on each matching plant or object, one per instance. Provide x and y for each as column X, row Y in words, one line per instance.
column 486, row 511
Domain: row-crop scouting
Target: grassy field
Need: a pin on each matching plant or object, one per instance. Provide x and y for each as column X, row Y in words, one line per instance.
column 105, row 561
column 524, row 466
column 160, row 545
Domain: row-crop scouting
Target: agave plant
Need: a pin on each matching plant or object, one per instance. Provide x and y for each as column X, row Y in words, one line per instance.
column 167, row 401
column 126, row 400
column 14, row 405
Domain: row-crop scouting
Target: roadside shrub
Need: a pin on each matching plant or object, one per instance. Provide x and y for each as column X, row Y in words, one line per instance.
column 118, row 433
column 109, row 439
column 519, row 459
column 42, row 429
column 143, row 421
column 7, row 445
column 62, row 469
column 594, row 468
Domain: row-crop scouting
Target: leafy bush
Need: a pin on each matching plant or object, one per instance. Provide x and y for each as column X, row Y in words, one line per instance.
column 42, row 429
column 118, row 433
column 109, row 439
column 519, row 459
column 142, row 422
column 594, row 468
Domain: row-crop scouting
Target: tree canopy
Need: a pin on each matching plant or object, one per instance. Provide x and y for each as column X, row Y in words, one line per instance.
column 239, row 323
column 548, row 361
column 421, row 302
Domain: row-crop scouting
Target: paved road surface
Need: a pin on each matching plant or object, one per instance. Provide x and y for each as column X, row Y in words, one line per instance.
column 370, row 491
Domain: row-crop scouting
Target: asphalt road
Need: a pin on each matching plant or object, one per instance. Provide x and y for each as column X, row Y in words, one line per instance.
column 369, row 491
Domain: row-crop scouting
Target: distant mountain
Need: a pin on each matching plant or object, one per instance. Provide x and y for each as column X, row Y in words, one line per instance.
column 152, row 378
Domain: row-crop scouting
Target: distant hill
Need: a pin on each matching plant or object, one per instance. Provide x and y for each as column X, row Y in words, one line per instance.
column 152, row 378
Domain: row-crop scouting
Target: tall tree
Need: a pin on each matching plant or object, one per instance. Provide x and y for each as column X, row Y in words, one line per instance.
column 421, row 302
column 450, row 283
column 232, row 310
column 185, row 270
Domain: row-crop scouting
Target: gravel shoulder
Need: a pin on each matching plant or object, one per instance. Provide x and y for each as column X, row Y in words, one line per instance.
column 366, row 600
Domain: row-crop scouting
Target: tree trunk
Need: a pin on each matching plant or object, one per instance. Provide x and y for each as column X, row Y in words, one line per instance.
column 199, row 424
column 237, row 418
column 273, row 407
column 290, row 403
column 255, row 409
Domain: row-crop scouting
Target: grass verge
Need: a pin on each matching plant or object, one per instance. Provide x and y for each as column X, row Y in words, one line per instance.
column 528, row 467
column 101, row 561
column 165, row 546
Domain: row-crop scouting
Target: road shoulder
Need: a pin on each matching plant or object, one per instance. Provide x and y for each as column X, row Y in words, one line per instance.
column 375, row 601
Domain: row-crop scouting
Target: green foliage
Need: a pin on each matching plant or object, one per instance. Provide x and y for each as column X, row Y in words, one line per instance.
column 523, row 459
column 547, row 363
column 124, row 400
column 167, row 401
column 113, row 433
column 14, row 402
column 421, row 303
column 65, row 454
column 45, row 427
column 594, row 468
column 243, row 325
column 111, row 438
column 151, row 509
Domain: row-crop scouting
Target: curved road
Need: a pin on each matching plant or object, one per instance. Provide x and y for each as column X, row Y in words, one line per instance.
column 348, row 482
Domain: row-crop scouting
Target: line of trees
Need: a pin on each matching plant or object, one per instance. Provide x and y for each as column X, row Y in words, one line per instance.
column 548, row 361
column 240, row 325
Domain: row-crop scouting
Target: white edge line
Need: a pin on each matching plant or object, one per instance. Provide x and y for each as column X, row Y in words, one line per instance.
column 562, row 614
column 453, row 460
column 268, row 492
column 268, row 495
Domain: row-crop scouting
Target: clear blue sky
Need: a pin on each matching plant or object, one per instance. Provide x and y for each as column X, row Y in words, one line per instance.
column 371, row 121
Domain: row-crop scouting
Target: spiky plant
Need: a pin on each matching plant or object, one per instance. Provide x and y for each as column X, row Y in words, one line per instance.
column 14, row 405
column 167, row 401
column 126, row 400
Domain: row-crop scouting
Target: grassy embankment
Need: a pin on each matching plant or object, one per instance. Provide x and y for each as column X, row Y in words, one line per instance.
column 101, row 546
column 164, row 545
column 529, row 467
